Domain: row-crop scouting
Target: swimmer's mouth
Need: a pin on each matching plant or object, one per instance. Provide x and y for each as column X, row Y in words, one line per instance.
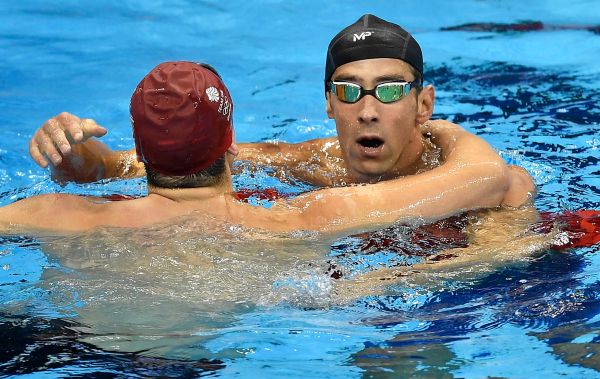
column 370, row 142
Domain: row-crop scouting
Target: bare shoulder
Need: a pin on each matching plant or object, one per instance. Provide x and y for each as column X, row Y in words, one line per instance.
column 66, row 213
column 441, row 126
column 59, row 212
column 447, row 135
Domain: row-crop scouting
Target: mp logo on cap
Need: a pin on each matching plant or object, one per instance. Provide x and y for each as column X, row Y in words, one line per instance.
column 361, row 36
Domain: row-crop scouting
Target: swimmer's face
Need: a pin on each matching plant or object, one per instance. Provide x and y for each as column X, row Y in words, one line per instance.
column 376, row 139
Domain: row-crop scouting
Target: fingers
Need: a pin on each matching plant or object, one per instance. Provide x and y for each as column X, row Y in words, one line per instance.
column 54, row 135
column 91, row 129
column 55, row 138
column 41, row 146
column 51, row 143
column 70, row 125
column 77, row 129
column 35, row 153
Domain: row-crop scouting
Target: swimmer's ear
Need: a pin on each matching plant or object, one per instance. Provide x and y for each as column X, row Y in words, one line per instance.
column 233, row 149
column 425, row 102
column 328, row 105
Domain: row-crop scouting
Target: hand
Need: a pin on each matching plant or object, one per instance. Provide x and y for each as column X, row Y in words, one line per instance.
column 55, row 138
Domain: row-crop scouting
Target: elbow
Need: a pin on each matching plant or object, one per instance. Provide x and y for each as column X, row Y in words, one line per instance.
column 513, row 186
column 521, row 190
column 491, row 185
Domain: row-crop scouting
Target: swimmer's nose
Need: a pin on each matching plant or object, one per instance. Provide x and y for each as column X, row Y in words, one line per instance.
column 369, row 110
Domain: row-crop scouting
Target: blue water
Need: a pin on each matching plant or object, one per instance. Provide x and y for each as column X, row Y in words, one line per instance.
column 533, row 95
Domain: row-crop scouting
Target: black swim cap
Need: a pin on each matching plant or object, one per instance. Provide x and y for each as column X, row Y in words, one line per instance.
column 368, row 38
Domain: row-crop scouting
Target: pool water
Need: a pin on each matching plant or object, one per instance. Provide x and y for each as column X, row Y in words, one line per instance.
column 113, row 304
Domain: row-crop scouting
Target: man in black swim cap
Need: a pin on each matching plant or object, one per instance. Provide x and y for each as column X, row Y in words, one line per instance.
column 374, row 91
column 373, row 86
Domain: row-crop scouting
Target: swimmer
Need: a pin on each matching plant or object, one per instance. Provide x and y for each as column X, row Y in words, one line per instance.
column 374, row 91
column 181, row 116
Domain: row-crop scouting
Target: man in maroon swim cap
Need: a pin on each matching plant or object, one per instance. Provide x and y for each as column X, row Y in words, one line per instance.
column 181, row 116
column 182, row 119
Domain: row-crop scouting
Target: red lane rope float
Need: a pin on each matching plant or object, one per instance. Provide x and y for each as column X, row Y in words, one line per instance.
column 118, row 197
column 581, row 227
column 269, row 194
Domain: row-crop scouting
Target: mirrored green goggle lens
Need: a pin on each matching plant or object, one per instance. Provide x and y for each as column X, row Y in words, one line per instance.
column 348, row 93
column 387, row 93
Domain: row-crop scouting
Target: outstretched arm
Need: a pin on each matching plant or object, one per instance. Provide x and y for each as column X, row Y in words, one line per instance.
column 477, row 178
column 65, row 143
column 318, row 162
column 315, row 162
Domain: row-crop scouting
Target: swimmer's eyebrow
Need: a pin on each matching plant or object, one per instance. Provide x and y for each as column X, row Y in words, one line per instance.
column 391, row 78
column 346, row 78
column 378, row 79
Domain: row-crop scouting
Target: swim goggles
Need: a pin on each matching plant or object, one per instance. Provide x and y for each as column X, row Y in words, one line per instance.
column 385, row 92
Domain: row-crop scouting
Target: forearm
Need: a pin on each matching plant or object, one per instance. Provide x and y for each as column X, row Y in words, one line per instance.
column 263, row 153
column 430, row 196
column 92, row 160
column 522, row 188
column 123, row 164
column 496, row 238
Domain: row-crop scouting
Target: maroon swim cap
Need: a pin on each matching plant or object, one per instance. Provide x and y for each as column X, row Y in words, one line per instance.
column 181, row 116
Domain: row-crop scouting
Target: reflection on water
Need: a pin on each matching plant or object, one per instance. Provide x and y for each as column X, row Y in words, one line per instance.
column 471, row 324
column 169, row 290
column 542, row 119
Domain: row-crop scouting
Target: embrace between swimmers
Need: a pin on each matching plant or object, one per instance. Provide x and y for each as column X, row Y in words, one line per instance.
column 182, row 123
